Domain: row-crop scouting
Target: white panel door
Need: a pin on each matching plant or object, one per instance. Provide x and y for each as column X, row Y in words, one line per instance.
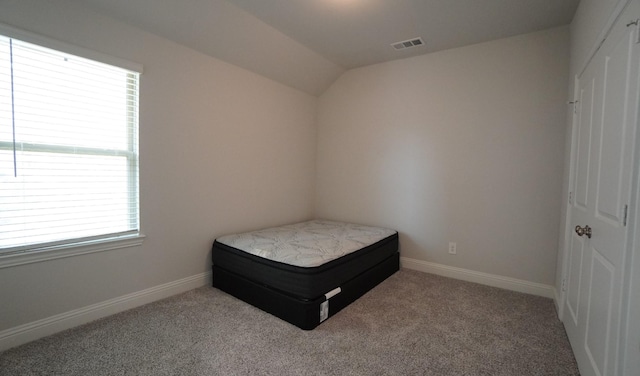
column 606, row 118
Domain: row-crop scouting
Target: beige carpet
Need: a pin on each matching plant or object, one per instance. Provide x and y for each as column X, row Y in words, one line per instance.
column 411, row 324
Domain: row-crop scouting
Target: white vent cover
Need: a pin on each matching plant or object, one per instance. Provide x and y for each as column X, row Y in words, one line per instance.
column 409, row 43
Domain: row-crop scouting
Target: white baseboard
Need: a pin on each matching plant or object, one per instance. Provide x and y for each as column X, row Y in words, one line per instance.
column 41, row 328
column 507, row 283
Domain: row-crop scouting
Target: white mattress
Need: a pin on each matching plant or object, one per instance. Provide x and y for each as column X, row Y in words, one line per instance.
column 307, row 244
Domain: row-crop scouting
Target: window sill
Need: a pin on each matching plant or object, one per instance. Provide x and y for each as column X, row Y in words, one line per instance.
column 69, row 250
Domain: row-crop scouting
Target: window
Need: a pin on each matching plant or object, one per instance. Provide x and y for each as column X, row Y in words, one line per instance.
column 68, row 149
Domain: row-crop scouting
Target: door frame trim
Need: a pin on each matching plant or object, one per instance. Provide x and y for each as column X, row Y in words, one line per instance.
column 630, row 304
column 630, row 296
column 566, row 234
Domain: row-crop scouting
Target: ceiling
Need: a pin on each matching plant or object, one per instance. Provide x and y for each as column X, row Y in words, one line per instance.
column 307, row 44
column 355, row 33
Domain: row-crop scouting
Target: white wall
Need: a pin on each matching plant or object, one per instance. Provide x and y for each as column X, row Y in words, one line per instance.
column 464, row 145
column 221, row 150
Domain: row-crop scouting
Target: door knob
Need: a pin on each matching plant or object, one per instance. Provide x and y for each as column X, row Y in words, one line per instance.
column 586, row 230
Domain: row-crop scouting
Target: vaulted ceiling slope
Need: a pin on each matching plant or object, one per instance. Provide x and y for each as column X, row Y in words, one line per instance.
column 307, row 44
column 222, row 30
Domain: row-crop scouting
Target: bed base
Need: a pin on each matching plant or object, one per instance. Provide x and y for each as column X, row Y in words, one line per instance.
column 303, row 313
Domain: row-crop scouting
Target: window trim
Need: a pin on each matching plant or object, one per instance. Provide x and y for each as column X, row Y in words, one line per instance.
column 69, row 249
column 72, row 247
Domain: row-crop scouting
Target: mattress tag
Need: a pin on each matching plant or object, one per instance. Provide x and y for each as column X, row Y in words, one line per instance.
column 324, row 310
column 333, row 293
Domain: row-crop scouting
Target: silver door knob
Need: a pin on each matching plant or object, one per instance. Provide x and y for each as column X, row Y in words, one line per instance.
column 586, row 230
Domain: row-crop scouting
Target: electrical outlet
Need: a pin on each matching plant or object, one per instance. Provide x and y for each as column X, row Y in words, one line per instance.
column 452, row 248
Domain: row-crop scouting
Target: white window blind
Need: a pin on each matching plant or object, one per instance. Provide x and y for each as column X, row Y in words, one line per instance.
column 68, row 148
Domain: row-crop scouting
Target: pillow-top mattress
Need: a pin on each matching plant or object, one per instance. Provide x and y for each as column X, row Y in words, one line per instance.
column 306, row 259
column 308, row 244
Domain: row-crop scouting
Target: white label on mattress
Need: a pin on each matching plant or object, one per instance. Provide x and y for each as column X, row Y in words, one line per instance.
column 333, row 293
column 324, row 310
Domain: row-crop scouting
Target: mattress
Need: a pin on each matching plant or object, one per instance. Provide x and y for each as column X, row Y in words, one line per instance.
column 305, row 260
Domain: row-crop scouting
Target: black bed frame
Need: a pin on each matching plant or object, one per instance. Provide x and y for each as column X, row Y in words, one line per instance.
column 303, row 313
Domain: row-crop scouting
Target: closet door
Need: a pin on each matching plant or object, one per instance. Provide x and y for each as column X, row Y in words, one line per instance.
column 606, row 118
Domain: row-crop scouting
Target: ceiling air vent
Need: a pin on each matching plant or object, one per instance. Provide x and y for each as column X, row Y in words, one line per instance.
column 415, row 42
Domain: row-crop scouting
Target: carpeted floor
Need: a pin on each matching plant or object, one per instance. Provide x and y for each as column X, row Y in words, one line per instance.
column 411, row 324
